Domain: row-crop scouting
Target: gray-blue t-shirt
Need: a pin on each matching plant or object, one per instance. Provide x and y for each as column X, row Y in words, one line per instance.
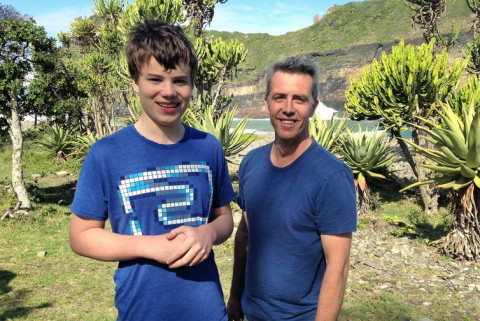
column 288, row 209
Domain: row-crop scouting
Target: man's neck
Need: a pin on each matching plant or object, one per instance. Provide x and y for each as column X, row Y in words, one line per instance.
column 283, row 153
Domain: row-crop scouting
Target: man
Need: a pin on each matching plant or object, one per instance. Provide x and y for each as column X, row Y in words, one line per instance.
column 299, row 212
column 164, row 187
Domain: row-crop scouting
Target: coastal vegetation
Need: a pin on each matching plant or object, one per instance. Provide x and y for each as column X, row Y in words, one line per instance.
column 79, row 86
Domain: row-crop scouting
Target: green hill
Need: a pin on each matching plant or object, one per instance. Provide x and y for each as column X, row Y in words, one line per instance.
column 355, row 23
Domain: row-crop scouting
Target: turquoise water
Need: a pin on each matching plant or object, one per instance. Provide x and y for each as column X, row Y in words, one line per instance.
column 260, row 126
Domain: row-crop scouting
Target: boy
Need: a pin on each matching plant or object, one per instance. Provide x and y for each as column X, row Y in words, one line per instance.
column 165, row 189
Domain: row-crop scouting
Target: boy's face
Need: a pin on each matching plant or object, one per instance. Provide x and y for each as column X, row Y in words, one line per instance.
column 164, row 94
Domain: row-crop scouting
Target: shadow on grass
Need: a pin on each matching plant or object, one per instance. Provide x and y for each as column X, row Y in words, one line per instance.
column 11, row 301
column 56, row 194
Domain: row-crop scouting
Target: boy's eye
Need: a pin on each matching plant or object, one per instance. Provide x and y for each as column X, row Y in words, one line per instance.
column 182, row 81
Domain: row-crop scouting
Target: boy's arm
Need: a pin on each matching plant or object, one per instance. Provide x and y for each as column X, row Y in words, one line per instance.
column 234, row 305
column 337, row 253
column 199, row 240
column 89, row 238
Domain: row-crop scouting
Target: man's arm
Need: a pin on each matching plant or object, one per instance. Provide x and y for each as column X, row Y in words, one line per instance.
column 199, row 240
column 337, row 252
column 89, row 238
column 234, row 305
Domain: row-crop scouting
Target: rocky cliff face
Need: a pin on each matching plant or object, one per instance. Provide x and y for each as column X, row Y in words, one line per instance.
column 336, row 68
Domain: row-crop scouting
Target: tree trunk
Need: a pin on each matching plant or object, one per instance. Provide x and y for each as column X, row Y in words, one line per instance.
column 464, row 240
column 406, row 152
column 363, row 201
column 427, row 192
column 15, row 132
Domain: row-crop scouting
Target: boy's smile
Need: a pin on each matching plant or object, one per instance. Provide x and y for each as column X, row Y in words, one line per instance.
column 164, row 95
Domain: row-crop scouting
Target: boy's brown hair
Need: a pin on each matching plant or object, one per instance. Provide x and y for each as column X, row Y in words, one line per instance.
column 166, row 43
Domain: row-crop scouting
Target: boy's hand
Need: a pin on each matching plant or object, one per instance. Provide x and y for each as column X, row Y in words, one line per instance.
column 195, row 248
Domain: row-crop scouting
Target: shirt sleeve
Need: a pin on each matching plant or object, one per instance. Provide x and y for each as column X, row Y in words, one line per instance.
column 336, row 206
column 223, row 190
column 90, row 199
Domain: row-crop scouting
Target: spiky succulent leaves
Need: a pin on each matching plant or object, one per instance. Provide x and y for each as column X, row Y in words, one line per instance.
column 366, row 153
column 457, row 142
column 404, row 84
column 327, row 133
column 57, row 141
column 233, row 141
column 82, row 144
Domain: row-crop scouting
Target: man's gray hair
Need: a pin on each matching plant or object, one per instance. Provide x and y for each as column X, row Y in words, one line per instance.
column 295, row 65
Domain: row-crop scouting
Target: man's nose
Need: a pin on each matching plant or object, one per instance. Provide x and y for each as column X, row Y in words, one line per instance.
column 288, row 107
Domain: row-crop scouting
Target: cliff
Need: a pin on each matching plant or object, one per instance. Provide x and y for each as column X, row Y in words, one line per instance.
column 336, row 68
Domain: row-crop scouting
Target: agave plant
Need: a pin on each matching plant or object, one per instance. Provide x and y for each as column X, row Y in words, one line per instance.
column 367, row 154
column 57, row 141
column 82, row 144
column 233, row 141
column 457, row 158
column 327, row 133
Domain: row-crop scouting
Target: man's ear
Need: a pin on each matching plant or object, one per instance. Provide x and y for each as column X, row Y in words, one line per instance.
column 134, row 86
column 266, row 109
column 315, row 105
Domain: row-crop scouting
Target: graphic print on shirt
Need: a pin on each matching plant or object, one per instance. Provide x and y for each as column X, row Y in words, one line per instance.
column 174, row 187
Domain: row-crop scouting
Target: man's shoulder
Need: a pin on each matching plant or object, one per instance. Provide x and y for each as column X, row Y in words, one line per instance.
column 329, row 161
column 257, row 152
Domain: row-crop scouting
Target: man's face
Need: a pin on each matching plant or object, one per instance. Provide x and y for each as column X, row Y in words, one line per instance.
column 164, row 94
column 290, row 104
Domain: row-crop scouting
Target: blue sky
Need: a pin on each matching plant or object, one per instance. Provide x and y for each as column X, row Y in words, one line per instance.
column 249, row 16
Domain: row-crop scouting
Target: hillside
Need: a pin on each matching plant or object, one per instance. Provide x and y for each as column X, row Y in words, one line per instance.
column 346, row 39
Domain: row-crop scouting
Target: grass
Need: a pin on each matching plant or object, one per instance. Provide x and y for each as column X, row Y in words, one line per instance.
column 63, row 286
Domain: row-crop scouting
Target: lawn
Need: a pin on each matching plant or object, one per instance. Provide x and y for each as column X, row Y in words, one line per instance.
column 42, row 279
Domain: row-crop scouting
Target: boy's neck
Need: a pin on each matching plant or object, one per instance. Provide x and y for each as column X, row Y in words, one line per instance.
column 160, row 134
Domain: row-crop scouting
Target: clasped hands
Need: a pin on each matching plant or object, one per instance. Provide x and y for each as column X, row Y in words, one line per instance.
column 194, row 245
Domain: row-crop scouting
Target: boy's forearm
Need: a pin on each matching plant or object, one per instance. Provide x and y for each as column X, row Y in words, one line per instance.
column 222, row 225
column 92, row 240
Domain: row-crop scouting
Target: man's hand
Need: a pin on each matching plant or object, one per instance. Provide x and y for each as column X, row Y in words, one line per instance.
column 234, row 309
column 194, row 249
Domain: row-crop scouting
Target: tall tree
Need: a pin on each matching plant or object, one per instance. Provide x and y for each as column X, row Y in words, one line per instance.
column 400, row 87
column 457, row 156
column 24, row 49
column 200, row 13
column 427, row 14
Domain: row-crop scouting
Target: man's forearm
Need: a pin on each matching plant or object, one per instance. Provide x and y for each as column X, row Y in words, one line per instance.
column 331, row 295
column 239, row 262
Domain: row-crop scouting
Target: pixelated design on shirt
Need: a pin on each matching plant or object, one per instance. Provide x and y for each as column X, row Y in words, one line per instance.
column 179, row 194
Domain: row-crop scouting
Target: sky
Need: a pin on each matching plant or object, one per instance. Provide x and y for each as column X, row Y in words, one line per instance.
column 274, row 17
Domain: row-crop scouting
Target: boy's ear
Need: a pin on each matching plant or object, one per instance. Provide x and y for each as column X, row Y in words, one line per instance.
column 135, row 86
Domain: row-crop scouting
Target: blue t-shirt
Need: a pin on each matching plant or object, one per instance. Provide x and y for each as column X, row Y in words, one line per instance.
column 288, row 209
column 145, row 188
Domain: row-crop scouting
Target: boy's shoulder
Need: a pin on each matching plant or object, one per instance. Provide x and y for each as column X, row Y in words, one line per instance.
column 200, row 137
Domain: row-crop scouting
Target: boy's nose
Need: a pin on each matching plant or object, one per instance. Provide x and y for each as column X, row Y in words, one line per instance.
column 168, row 89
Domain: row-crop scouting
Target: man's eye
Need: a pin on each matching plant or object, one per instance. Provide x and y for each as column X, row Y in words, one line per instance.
column 300, row 100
